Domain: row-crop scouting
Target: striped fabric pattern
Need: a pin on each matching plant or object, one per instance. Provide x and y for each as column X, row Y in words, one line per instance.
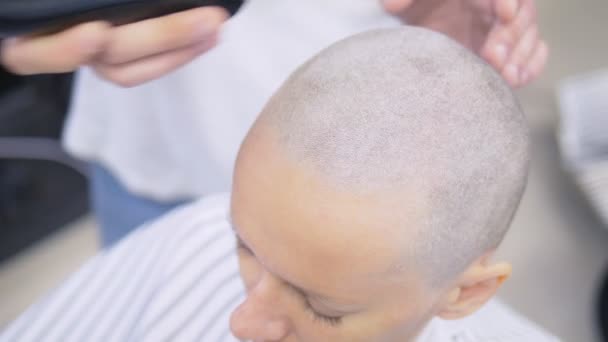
column 176, row 279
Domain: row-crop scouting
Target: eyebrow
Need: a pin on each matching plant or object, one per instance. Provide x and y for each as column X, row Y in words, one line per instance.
column 307, row 293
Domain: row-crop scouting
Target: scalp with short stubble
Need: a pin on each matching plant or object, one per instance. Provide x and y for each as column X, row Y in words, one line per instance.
column 396, row 108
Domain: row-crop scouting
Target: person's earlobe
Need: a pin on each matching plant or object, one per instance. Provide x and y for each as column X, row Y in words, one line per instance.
column 478, row 285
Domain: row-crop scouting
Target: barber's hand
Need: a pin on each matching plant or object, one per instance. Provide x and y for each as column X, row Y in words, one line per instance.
column 503, row 32
column 127, row 55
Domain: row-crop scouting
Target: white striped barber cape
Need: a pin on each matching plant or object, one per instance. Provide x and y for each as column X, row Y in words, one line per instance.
column 177, row 279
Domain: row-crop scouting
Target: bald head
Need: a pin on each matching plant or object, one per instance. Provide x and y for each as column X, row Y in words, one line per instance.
column 408, row 110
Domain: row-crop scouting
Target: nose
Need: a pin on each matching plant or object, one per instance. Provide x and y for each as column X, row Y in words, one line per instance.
column 260, row 317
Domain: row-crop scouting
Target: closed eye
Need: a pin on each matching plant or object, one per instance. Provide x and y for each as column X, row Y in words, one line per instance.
column 316, row 316
column 321, row 318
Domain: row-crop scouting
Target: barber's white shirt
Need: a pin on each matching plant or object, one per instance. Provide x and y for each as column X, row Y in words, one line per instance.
column 178, row 136
column 177, row 280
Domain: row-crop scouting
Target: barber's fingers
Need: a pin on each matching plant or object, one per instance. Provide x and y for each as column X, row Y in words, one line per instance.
column 508, row 33
column 537, row 62
column 396, row 6
column 150, row 68
column 151, row 37
column 506, row 10
column 516, row 67
column 56, row 53
column 495, row 53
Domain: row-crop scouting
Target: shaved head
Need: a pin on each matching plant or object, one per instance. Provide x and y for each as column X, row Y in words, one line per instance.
column 408, row 110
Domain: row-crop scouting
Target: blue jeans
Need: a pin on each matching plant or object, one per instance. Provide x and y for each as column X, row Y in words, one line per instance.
column 117, row 210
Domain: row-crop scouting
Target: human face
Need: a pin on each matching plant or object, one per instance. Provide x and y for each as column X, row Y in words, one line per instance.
column 317, row 262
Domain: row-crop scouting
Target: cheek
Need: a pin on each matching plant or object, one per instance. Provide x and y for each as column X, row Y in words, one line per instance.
column 379, row 327
column 362, row 328
column 407, row 318
column 394, row 318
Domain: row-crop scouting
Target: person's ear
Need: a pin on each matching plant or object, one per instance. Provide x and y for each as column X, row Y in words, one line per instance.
column 476, row 286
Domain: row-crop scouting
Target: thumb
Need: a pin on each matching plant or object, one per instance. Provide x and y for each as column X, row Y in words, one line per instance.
column 506, row 10
column 55, row 53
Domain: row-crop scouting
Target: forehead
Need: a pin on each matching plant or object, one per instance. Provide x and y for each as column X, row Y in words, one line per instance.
column 313, row 235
